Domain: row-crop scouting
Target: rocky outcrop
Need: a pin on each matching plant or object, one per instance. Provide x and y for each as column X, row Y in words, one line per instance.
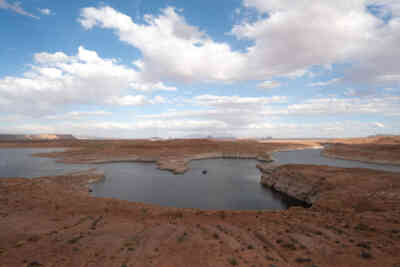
column 292, row 184
column 334, row 188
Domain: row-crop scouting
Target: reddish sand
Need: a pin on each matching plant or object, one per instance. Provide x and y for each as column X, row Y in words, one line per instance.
column 52, row 221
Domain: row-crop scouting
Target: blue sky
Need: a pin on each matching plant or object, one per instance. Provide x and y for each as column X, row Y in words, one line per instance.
column 244, row 68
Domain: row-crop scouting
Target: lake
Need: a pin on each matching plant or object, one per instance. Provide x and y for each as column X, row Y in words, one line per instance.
column 228, row 184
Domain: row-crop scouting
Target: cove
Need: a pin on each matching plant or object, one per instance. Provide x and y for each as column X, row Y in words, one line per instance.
column 217, row 184
column 227, row 184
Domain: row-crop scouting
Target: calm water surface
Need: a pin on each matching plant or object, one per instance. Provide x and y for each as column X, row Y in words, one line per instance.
column 313, row 156
column 228, row 184
column 18, row 162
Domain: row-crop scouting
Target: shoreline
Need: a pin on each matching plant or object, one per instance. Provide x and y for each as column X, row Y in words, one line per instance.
column 354, row 220
column 359, row 159
column 55, row 221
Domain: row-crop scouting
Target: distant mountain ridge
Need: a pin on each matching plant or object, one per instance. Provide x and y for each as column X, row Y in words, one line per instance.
column 27, row 137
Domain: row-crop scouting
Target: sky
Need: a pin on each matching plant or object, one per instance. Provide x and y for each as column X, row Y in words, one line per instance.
column 178, row 68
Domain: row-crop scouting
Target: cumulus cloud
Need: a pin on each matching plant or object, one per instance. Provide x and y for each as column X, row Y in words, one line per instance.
column 57, row 80
column 77, row 115
column 268, row 85
column 16, row 7
column 172, row 49
column 379, row 125
column 386, row 106
column 287, row 42
column 45, row 11
column 247, row 116
column 135, row 100
column 236, row 101
column 147, row 87
column 330, row 82
column 296, row 35
column 235, row 112
column 185, row 127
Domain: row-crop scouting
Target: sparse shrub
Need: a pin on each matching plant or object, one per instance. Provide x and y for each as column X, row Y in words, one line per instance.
column 366, row 255
column 303, row 260
column 182, row 237
column 233, row 262
column 364, row 245
column 289, row 246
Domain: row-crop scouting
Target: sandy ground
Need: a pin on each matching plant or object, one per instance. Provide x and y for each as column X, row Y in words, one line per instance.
column 52, row 221
column 381, row 149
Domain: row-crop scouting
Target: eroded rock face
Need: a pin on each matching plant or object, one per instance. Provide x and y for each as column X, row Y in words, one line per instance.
column 334, row 188
column 289, row 182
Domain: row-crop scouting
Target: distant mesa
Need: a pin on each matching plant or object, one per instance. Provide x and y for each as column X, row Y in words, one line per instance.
column 25, row 137
column 217, row 137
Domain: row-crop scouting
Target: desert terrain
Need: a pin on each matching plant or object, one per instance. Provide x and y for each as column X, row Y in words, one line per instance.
column 354, row 219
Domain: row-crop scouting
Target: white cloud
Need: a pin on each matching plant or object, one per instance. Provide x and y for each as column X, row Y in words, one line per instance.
column 16, row 7
column 350, row 92
column 136, row 100
column 268, row 84
column 45, row 11
column 234, row 111
column 390, row 77
column 330, row 82
column 158, row 100
column 347, row 128
column 58, row 80
column 379, row 125
column 291, row 39
column 77, row 115
column 243, row 116
column 129, row 100
column 384, row 106
column 236, row 101
column 185, row 127
column 48, row 58
column 152, row 86
column 171, row 48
